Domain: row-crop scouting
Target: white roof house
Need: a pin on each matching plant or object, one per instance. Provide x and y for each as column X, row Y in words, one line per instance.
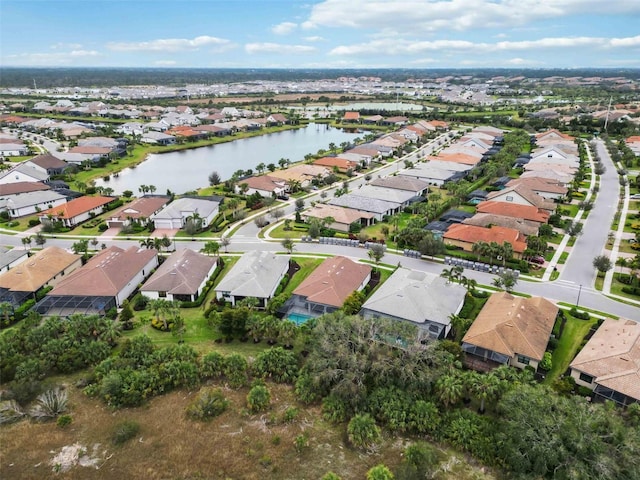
column 175, row 214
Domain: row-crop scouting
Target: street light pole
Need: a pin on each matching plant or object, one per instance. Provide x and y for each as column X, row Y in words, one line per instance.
column 578, row 300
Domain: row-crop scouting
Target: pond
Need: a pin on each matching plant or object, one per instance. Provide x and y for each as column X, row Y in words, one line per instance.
column 188, row 170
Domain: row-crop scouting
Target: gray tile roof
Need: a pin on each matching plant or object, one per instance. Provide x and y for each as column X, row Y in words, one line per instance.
column 363, row 203
column 7, row 257
column 256, row 274
column 400, row 183
column 180, row 206
column 417, row 297
column 33, row 198
column 383, row 193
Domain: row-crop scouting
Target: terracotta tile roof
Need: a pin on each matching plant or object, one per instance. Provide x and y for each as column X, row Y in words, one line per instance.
column 538, row 184
column 472, row 234
column 106, row 274
column 333, row 281
column 633, row 139
column 525, row 212
column 38, row 270
column 612, row 356
column 142, row 207
column 513, row 325
column 76, row 207
column 456, row 158
column 341, row 163
column 553, row 133
column 267, row 183
column 351, row 116
column 525, row 227
column 342, row 215
column 91, row 150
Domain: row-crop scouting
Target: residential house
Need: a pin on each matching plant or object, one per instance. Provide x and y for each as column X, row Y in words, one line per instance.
column 342, row 165
column 525, row 227
column 276, row 119
column 398, row 182
column 609, row 363
column 141, row 209
column 514, row 210
column 328, row 286
column 107, row 280
column 48, row 164
column 10, row 258
column 464, row 236
column 436, row 173
column 43, row 269
column 30, row 203
column 423, row 299
column 257, row 275
column 265, row 185
column 16, row 149
column 509, row 330
column 560, row 177
column 351, row 117
column 379, row 208
column 23, row 173
column 181, row 277
column 402, row 197
column 77, row 210
column 303, row 174
column 546, row 188
column 7, row 190
column 158, row 138
column 521, row 195
column 175, row 215
column 342, row 218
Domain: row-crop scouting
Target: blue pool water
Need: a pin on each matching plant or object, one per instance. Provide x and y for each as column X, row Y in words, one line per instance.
column 298, row 318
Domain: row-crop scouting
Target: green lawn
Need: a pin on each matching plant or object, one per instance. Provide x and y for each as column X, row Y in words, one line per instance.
column 568, row 345
column 307, row 265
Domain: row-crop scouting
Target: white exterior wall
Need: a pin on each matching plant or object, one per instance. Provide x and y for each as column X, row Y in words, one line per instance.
column 31, row 209
column 15, row 263
column 576, row 376
column 54, row 281
column 137, row 280
column 15, row 177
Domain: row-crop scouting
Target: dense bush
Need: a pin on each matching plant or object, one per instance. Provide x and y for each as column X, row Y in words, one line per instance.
column 258, row 399
column 124, row 432
column 209, row 403
column 276, row 364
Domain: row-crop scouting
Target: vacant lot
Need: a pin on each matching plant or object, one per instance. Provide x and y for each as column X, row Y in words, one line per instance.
column 235, row 445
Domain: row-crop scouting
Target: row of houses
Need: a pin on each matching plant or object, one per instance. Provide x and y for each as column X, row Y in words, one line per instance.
column 515, row 331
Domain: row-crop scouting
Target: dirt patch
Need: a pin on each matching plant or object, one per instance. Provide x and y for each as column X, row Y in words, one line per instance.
column 234, row 445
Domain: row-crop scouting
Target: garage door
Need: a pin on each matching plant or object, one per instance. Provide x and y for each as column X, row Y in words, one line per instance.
column 168, row 224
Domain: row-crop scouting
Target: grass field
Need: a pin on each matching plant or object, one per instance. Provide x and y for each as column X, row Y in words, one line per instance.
column 568, row 345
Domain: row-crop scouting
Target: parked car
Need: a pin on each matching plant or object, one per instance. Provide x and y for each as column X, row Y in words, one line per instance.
column 537, row 259
column 635, row 196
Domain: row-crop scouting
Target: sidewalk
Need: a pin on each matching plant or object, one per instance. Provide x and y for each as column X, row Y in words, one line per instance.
column 608, row 278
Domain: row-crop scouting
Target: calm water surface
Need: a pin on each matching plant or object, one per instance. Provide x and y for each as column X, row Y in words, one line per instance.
column 188, row 170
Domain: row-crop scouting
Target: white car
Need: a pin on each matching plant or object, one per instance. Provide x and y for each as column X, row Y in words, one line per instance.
column 635, row 196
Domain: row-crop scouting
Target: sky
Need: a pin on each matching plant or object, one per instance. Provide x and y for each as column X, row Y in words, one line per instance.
column 320, row 33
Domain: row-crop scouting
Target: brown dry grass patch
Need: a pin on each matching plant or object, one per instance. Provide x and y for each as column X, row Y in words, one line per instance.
column 235, row 445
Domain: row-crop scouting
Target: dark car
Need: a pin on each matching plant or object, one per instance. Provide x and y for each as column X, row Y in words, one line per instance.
column 537, row 259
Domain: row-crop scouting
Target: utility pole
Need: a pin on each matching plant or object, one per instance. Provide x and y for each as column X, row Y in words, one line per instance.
column 579, row 292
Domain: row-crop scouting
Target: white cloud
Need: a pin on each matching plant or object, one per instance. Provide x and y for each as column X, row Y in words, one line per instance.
column 419, row 16
column 54, row 59
column 406, row 47
column 284, row 28
column 314, row 39
column 169, row 44
column 65, row 46
column 253, row 48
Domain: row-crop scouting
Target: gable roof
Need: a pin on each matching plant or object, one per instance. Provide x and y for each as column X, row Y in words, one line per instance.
column 351, row 116
column 507, row 209
column 256, row 274
column 178, row 207
column 105, row 274
column 526, row 227
column 612, row 357
column 539, row 184
column 22, row 187
column 529, row 195
column 180, row 274
column 76, row 207
column 267, row 183
column 142, row 207
column 333, row 281
column 48, row 161
column 417, row 297
column 335, row 162
column 472, row 234
column 8, row 256
column 25, row 169
column 399, row 182
column 38, row 270
column 342, row 215
column 513, row 325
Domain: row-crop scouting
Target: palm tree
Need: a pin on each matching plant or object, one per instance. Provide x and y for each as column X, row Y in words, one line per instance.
column 485, row 387
column 255, row 327
column 449, row 389
column 479, row 248
column 211, row 248
column 6, row 310
column 165, row 242
column 507, row 252
column 40, row 239
column 260, row 167
column 288, row 245
column 287, row 331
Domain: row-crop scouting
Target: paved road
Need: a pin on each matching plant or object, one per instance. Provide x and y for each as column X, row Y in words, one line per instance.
column 578, row 270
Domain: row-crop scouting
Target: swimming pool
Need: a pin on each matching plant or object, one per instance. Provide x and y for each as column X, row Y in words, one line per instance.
column 298, row 318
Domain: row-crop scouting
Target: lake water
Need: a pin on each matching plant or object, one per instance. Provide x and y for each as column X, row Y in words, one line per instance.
column 188, row 170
